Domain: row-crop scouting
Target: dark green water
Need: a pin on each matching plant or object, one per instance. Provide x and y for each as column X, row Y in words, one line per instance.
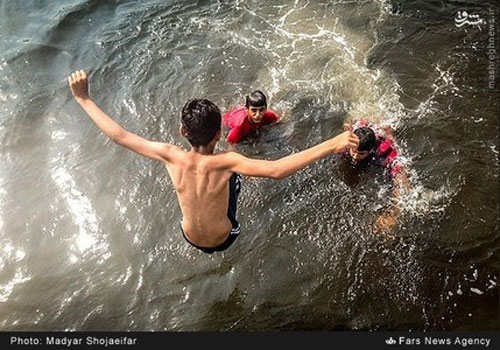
column 89, row 236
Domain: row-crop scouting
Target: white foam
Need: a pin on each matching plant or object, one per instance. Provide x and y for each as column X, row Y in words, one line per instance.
column 421, row 201
column 7, row 289
column 442, row 84
column 130, row 104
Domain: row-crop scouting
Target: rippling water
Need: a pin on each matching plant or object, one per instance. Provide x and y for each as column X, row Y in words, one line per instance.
column 89, row 232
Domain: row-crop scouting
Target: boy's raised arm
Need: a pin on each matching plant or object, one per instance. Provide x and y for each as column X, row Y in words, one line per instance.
column 286, row 166
column 78, row 83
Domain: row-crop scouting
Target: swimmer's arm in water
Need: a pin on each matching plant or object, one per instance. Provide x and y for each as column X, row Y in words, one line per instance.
column 286, row 166
column 388, row 219
column 274, row 117
column 401, row 184
column 78, row 83
column 234, row 136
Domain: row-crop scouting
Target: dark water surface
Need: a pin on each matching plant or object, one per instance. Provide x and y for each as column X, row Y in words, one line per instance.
column 89, row 232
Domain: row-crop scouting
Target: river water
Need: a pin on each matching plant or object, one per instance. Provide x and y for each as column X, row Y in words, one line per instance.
column 89, row 232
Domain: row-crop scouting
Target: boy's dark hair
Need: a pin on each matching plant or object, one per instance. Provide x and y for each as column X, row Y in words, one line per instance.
column 201, row 120
column 256, row 99
column 366, row 138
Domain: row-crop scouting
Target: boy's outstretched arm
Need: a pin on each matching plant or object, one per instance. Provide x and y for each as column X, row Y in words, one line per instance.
column 286, row 166
column 78, row 83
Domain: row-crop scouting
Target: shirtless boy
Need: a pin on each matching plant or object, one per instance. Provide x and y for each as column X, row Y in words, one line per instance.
column 205, row 182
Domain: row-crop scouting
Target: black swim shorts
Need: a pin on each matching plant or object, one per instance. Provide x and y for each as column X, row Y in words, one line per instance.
column 234, row 191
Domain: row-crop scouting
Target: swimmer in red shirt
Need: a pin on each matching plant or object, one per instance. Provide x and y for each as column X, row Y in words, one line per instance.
column 245, row 119
column 378, row 147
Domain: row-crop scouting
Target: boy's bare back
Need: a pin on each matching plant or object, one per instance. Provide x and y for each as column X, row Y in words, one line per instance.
column 200, row 177
column 201, row 183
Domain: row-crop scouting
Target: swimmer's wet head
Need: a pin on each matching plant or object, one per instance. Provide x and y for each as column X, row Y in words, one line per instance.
column 201, row 123
column 366, row 144
column 256, row 105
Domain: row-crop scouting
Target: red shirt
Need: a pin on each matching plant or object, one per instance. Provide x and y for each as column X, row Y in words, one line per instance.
column 239, row 124
column 386, row 155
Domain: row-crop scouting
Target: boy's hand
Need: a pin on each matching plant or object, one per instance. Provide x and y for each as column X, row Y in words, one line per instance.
column 78, row 83
column 347, row 139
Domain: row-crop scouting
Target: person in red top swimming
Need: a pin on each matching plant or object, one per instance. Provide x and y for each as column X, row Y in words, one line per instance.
column 378, row 147
column 245, row 119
